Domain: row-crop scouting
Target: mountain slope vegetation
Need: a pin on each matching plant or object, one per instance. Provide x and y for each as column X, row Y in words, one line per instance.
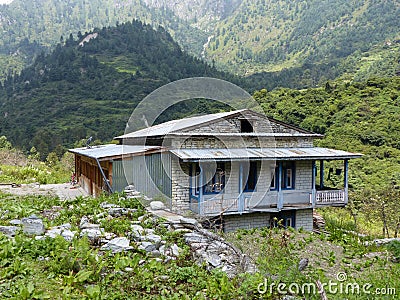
column 28, row 27
column 91, row 88
column 280, row 43
column 266, row 35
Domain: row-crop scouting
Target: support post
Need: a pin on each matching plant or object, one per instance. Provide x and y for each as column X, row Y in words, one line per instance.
column 314, row 190
column 321, row 174
column 241, row 187
column 346, row 181
column 201, row 176
column 279, row 186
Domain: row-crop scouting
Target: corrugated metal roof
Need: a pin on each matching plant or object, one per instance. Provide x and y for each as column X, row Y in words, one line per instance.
column 174, row 125
column 263, row 153
column 111, row 150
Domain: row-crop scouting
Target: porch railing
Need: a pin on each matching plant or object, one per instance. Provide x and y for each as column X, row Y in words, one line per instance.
column 330, row 197
column 216, row 206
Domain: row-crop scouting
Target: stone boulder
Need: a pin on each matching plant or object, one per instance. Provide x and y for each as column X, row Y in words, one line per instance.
column 33, row 225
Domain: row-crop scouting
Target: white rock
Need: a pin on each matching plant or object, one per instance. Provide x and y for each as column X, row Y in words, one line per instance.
column 33, row 225
column 9, row 230
column 118, row 244
column 156, row 205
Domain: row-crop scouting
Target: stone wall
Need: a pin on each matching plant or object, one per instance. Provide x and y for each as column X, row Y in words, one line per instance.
column 304, row 219
column 303, row 173
column 233, row 125
column 180, row 186
column 194, row 142
column 246, row 221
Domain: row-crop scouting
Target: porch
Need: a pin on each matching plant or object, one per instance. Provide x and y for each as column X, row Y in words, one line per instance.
column 230, row 205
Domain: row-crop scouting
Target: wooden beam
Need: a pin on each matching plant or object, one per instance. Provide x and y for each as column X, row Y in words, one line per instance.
column 279, row 186
column 314, row 189
column 321, row 174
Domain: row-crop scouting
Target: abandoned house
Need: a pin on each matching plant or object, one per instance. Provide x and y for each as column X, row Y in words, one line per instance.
column 251, row 169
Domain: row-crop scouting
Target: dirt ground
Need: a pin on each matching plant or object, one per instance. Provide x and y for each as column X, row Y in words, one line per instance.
column 62, row 190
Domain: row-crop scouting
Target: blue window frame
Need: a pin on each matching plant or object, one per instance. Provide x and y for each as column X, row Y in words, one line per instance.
column 288, row 172
column 287, row 179
column 252, row 176
column 194, row 173
column 217, row 182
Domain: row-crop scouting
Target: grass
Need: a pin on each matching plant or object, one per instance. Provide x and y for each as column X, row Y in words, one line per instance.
column 57, row 269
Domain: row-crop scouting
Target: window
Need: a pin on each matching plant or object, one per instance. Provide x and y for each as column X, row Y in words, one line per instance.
column 217, row 182
column 245, row 126
column 273, row 180
column 251, row 178
column 284, row 219
column 287, row 179
column 194, row 179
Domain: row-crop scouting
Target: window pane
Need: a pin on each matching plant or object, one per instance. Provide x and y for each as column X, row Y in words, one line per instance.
column 252, row 177
column 289, row 174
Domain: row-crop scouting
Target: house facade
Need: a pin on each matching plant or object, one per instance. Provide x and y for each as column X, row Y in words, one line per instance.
column 251, row 170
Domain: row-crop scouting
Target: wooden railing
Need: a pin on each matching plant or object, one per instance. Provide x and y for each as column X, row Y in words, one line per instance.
column 219, row 205
column 330, row 197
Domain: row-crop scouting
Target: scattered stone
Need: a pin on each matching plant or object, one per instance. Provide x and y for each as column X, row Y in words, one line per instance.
column 193, row 237
column 106, row 205
column 147, row 246
column 212, row 259
column 380, row 242
column 156, row 205
column 128, row 269
column 129, row 188
column 118, row 244
column 189, row 223
column 117, row 212
column 175, row 250
column 155, row 239
column 33, row 225
column 9, row 230
column 52, row 213
column 141, row 218
column 15, row 222
column 62, row 230
column 93, row 234
column 83, row 221
column 303, row 264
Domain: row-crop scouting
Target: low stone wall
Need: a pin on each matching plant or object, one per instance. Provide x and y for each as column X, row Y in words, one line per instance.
column 304, row 219
column 246, row 221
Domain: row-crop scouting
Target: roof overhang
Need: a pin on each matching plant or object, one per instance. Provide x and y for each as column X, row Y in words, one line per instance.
column 311, row 153
column 113, row 151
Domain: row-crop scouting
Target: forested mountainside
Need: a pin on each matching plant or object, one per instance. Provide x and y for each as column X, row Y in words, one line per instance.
column 28, row 27
column 265, row 35
column 281, row 43
column 91, row 88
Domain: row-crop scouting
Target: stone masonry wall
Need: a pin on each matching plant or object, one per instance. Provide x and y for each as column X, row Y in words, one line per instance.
column 241, row 142
column 303, row 175
column 232, row 125
column 180, row 190
column 246, row 221
column 304, row 219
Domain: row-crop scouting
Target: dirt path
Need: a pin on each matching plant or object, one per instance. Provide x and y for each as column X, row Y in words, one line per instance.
column 62, row 190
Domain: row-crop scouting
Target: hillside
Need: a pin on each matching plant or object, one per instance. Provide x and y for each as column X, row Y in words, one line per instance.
column 92, row 88
column 359, row 117
column 266, row 35
column 277, row 43
column 28, row 27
